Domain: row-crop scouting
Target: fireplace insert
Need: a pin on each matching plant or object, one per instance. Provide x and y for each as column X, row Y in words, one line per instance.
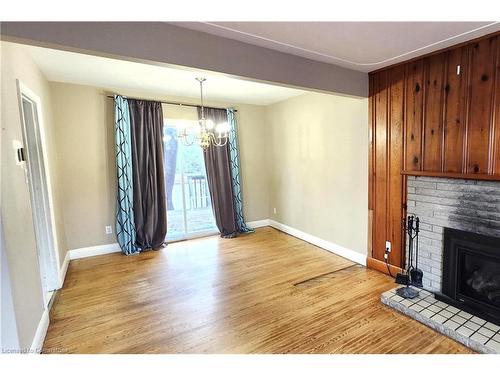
column 471, row 273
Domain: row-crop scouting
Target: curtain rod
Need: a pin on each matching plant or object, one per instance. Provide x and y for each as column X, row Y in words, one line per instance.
column 173, row 103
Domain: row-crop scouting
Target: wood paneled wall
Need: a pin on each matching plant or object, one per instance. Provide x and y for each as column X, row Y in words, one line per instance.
column 438, row 115
column 387, row 184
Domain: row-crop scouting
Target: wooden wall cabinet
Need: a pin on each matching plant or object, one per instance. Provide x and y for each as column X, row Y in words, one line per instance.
column 435, row 116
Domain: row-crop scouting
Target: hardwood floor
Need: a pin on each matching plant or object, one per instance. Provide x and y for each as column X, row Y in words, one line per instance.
column 243, row 295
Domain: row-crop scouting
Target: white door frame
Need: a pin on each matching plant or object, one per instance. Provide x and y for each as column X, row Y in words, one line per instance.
column 48, row 255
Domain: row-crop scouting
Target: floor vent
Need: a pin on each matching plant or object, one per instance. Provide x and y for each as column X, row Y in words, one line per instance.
column 316, row 280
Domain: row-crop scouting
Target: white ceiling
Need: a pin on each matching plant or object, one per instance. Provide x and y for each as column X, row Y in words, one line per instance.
column 69, row 67
column 363, row 46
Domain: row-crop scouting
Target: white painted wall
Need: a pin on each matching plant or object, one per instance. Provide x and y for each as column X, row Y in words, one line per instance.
column 9, row 341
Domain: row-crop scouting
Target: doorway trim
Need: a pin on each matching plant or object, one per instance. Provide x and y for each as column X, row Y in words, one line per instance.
column 52, row 254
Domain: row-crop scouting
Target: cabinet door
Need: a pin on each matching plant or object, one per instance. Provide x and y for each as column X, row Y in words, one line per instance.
column 481, row 95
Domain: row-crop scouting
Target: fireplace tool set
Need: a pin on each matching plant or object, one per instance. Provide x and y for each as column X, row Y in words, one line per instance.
column 412, row 275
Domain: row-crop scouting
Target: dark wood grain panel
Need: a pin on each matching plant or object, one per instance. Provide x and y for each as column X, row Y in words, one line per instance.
column 380, row 165
column 395, row 154
column 481, row 90
column 413, row 115
column 427, row 120
column 371, row 124
column 371, row 155
column 455, row 109
column 433, row 112
column 496, row 118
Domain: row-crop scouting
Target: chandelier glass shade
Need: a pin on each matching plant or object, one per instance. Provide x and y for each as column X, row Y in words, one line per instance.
column 205, row 133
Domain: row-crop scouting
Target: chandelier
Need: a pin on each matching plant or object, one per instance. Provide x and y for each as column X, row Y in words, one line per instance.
column 205, row 133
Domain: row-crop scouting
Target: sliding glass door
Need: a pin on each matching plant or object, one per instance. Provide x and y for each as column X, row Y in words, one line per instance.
column 189, row 210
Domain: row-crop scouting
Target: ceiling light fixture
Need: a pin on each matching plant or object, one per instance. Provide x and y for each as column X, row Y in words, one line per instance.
column 205, row 133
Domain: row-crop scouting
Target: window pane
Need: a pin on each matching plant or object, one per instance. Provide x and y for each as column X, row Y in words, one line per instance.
column 175, row 209
column 189, row 209
column 198, row 205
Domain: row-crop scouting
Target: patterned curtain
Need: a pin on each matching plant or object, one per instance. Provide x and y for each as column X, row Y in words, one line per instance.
column 125, row 226
column 235, row 173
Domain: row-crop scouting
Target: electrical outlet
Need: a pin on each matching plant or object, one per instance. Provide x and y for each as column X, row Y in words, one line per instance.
column 388, row 246
column 109, row 230
column 274, row 210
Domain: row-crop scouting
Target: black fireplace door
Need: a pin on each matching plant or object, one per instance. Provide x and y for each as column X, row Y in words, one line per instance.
column 471, row 271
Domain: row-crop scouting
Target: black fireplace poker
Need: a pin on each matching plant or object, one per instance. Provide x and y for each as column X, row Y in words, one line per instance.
column 411, row 275
column 416, row 274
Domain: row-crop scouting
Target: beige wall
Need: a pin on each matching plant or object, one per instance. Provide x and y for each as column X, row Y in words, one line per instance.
column 319, row 175
column 85, row 150
column 17, row 218
column 306, row 156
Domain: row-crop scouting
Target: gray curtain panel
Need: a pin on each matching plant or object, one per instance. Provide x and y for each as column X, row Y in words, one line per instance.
column 150, row 212
column 219, row 179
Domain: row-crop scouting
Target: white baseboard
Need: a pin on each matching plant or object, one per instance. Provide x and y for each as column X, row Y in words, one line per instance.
column 258, row 223
column 43, row 325
column 330, row 246
column 64, row 269
column 93, row 251
column 41, row 332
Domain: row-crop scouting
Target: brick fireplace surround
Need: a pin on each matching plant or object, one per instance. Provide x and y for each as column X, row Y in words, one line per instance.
column 468, row 205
